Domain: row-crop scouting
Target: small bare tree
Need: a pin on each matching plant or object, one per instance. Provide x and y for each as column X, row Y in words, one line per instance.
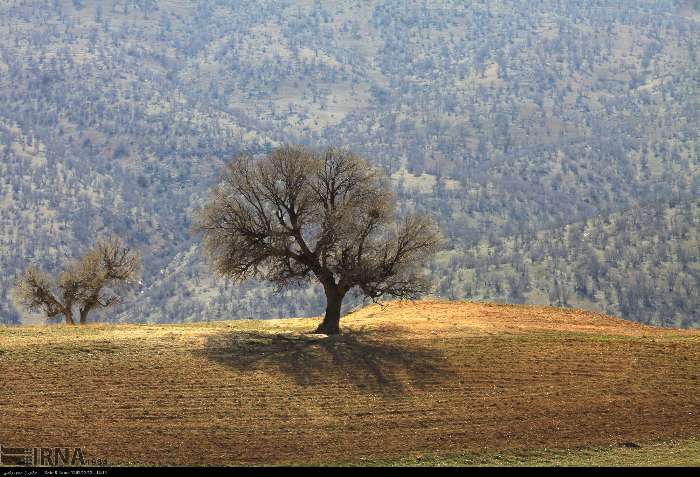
column 295, row 215
column 93, row 281
column 111, row 268
column 36, row 290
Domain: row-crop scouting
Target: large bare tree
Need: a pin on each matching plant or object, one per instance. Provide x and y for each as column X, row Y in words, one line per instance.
column 94, row 281
column 296, row 215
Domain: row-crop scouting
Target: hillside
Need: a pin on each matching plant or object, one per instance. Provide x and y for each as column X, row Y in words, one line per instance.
column 427, row 378
column 503, row 119
column 642, row 263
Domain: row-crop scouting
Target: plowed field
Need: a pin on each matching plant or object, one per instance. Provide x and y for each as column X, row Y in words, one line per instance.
column 406, row 379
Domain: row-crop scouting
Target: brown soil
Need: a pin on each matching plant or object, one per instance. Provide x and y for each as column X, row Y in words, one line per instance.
column 406, row 379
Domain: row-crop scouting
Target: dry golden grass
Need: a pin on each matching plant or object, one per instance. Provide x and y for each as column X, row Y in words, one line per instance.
column 426, row 377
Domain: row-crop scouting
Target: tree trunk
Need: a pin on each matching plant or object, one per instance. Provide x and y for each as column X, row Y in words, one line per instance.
column 83, row 315
column 69, row 317
column 331, row 321
column 87, row 307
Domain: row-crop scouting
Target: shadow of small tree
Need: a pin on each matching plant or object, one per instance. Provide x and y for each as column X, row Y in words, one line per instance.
column 370, row 363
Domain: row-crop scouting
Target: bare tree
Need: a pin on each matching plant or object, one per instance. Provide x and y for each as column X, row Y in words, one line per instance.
column 36, row 290
column 93, row 281
column 295, row 215
column 108, row 268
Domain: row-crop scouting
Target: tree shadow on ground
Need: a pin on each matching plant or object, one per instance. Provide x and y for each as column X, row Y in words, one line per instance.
column 367, row 361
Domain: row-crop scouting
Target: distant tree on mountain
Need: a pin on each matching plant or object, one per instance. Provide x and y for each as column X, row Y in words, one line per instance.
column 295, row 215
column 94, row 281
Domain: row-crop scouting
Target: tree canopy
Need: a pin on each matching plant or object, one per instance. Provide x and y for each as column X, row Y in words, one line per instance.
column 295, row 215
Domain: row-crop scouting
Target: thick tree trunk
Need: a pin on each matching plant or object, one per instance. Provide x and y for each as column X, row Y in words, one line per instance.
column 87, row 308
column 69, row 317
column 331, row 321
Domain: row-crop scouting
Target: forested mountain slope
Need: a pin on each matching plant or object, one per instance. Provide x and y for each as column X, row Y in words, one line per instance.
column 640, row 263
column 503, row 119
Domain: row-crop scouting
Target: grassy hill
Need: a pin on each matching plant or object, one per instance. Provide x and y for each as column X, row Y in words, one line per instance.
column 428, row 382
